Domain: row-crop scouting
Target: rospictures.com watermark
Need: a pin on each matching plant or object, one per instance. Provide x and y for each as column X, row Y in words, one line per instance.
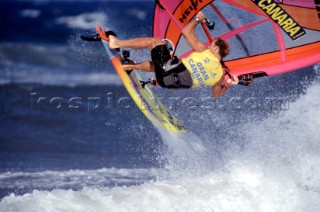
column 93, row 104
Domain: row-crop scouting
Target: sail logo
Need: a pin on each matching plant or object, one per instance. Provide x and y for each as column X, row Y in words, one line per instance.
column 193, row 6
column 281, row 17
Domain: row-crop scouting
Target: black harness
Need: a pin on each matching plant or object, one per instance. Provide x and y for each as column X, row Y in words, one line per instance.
column 175, row 75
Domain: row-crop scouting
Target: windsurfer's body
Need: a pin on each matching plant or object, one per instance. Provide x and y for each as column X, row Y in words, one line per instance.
column 202, row 67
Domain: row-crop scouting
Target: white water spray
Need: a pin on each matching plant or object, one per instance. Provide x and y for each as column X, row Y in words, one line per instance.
column 277, row 169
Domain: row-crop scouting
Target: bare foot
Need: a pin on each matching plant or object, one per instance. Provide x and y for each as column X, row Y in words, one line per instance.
column 113, row 42
column 127, row 67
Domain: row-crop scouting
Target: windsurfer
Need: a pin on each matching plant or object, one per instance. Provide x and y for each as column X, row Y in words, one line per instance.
column 201, row 68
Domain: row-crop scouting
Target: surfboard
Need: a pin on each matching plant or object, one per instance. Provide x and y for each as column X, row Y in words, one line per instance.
column 143, row 96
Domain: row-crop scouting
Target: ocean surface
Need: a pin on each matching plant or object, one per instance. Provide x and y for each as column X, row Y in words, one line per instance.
column 72, row 139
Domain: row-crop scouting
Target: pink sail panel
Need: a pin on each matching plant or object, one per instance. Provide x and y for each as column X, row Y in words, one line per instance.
column 299, row 3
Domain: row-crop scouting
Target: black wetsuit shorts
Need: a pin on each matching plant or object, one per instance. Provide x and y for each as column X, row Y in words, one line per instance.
column 170, row 72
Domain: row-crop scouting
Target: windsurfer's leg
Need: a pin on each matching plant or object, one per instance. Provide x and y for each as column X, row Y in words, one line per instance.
column 136, row 43
column 146, row 66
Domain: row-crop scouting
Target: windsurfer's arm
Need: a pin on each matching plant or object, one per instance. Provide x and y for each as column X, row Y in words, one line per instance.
column 188, row 34
column 218, row 90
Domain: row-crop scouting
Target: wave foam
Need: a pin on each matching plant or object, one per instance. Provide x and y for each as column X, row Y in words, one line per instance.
column 82, row 21
column 78, row 178
column 274, row 166
column 52, row 65
column 30, row 13
column 58, row 79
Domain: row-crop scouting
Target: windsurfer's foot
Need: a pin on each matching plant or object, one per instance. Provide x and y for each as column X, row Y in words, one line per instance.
column 128, row 67
column 113, row 42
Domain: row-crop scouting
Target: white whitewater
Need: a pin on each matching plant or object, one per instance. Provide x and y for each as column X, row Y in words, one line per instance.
column 277, row 169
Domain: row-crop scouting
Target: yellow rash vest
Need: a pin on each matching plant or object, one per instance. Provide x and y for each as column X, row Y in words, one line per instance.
column 204, row 67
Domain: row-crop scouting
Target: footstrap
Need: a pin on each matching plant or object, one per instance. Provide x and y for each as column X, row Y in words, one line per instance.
column 149, row 82
column 108, row 33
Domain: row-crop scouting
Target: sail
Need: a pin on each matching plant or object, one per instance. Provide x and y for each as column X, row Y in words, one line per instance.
column 266, row 36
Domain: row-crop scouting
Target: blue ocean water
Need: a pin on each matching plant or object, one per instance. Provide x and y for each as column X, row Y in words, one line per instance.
column 45, row 70
column 73, row 140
